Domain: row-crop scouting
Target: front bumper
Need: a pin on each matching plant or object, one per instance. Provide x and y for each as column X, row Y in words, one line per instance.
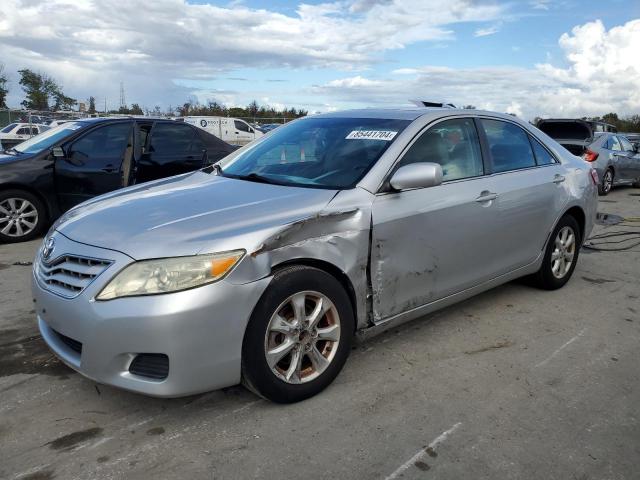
column 199, row 330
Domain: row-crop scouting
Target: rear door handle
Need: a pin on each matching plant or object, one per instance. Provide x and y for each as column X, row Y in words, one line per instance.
column 558, row 179
column 486, row 196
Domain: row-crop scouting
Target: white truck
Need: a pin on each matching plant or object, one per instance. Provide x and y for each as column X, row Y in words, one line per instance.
column 231, row 130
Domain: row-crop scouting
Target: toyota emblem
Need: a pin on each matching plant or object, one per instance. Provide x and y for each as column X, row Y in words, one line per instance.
column 48, row 248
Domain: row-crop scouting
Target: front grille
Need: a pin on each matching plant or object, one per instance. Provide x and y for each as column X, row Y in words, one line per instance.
column 150, row 365
column 74, row 345
column 69, row 275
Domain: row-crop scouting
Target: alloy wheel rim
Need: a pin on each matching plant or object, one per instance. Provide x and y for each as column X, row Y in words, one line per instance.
column 302, row 337
column 608, row 181
column 563, row 253
column 18, row 217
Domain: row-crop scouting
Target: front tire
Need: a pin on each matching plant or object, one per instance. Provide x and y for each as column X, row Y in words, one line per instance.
column 299, row 335
column 22, row 216
column 561, row 255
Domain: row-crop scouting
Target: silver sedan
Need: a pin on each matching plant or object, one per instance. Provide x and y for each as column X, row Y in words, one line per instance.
column 263, row 269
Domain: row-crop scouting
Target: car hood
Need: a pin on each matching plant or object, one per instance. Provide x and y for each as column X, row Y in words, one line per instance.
column 6, row 158
column 189, row 214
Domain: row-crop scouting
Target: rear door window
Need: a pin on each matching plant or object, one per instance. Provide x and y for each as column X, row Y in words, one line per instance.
column 453, row 144
column 509, row 146
column 171, row 139
column 543, row 157
column 626, row 144
column 615, row 144
column 23, row 131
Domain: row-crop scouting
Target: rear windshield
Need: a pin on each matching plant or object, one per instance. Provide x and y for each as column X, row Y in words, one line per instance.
column 9, row 127
column 316, row 152
column 566, row 130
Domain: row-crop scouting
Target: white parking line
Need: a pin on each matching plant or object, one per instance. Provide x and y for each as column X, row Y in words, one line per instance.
column 422, row 452
column 565, row 345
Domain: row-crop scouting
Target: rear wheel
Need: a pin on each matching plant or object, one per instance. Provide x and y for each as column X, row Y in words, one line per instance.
column 22, row 216
column 607, row 182
column 299, row 335
column 561, row 255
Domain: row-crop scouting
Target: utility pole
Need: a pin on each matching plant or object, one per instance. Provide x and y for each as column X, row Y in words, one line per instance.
column 123, row 103
column 105, row 105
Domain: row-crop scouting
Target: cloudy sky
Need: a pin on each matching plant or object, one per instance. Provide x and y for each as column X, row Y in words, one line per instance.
column 528, row 57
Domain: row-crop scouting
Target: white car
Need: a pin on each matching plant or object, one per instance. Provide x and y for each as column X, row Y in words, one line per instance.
column 16, row 133
column 231, row 130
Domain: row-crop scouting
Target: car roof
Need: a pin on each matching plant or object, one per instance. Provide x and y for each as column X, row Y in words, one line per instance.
column 410, row 113
column 121, row 119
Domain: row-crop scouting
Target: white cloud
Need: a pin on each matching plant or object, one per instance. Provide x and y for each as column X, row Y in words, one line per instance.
column 601, row 75
column 484, row 32
column 540, row 4
column 90, row 46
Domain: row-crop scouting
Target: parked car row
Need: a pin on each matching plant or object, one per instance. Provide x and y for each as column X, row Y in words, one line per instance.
column 614, row 156
column 50, row 173
column 16, row 133
column 262, row 268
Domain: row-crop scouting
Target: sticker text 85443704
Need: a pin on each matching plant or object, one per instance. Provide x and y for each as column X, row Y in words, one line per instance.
column 386, row 135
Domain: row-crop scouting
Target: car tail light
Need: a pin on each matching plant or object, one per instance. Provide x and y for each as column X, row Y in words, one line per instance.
column 590, row 156
column 594, row 176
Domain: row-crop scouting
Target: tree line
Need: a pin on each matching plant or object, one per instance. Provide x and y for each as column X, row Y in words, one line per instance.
column 253, row 110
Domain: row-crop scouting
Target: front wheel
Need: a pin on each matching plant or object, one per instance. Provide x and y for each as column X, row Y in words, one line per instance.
column 22, row 216
column 561, row 255
column 299, row 335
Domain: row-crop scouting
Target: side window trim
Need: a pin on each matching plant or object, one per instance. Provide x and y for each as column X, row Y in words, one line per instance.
column 487, row 160
column 535, row 157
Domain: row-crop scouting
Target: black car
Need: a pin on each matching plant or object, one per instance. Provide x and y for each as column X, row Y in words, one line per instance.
column 48, row 174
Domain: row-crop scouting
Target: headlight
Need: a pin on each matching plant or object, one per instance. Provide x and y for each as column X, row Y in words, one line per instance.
column 164, row 275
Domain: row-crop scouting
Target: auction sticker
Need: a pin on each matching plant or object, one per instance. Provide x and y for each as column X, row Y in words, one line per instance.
column 386, row 135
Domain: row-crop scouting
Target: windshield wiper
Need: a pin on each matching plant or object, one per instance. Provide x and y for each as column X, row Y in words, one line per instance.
column 255, row 177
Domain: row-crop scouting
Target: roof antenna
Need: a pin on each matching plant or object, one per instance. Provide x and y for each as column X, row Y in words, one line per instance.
column 427, row 104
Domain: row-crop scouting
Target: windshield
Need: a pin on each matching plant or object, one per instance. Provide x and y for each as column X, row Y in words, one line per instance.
column 9, row 127
column 330, row 153
column 47, row 139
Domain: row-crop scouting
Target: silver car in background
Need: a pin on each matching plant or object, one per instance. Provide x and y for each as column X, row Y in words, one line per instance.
column 263, row 269
column 615, row 159
column 612, row 155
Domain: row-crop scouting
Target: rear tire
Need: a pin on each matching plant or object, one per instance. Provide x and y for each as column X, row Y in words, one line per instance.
column 316, row 346
column 563, row 247
column 22, row 216
column 607, row 182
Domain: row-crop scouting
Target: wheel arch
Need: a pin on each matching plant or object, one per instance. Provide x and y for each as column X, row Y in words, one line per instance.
column 329, row 268
column 580, row 217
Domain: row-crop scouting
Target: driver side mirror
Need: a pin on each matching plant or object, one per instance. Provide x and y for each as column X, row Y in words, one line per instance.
column 58, row 152
column 417, row 175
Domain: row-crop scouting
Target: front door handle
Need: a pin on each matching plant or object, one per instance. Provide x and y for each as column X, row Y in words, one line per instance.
column 486, row 196
column 109, row 169
column 558, row 179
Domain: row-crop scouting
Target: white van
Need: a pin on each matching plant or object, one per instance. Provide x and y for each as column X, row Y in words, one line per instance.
column 231, row 130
